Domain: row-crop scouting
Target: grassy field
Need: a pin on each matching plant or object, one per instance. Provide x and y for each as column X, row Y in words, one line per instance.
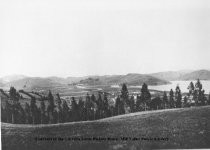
column 175, row 128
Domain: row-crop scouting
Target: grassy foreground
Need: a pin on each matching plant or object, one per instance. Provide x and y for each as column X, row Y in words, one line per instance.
column 176, row 128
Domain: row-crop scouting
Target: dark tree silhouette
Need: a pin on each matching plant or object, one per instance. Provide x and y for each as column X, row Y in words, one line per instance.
column 155, row 103
column 106, row 106
column 199, row 94
column 14, row 99
column 132, row 104
column 178, row 97
column 100, row 106
column 50, row 108
column 209, row 100
column 165, row 100
column 185, row 102
column 42, row 111
column 81, row 109
column 74, row 114
column 8, row 112
column 139, row 102
column 191, row 88
column 65, row 112
column 33, row 109
column 27, row 113
column 145, row 95
column 125, row 95
column 171, row 99
column 59, row 108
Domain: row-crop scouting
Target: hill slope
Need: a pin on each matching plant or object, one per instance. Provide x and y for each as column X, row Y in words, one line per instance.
column 31, row 83
column 130, row 79
column 170, row 75
column 10, row 78
column 183, row 75
column 178, row 128
column 200, row 74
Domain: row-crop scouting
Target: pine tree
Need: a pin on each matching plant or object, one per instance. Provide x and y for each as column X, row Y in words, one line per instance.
column 59, row 117
column 132, row 104
column 100, row 105
column 191, row 88
column 165, row 100
column 81, row 109
column 185, row 101
column 117, row 106
column 125, row 95
column 3, row 115
column 8, row 112
column 138, row 103
column 50, row 108
column 209, row 99
column 27, row 113
column 33, row 109
column 88, row 107
column 42, row 111
column 199, row 94
column 65, row 112
column 145, row 95
column 21, row 114
column 171, row 99
column 178, row 97
column 14, row 97
column 155, row 103
column 74, row 110
column 106, row 105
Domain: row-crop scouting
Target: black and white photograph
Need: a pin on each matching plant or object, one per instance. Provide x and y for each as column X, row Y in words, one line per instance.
column 104, row 74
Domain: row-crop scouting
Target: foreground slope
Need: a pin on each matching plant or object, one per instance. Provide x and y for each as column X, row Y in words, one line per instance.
column 181, row 128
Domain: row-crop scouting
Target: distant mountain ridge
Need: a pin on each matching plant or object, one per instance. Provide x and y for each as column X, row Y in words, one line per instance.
column 21, row 81
column 200, row 74
column 130, row 79
column 10, row 78
column 183, row 75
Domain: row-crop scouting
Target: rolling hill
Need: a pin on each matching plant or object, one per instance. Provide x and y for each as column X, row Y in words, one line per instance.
column 170, row 75
column 200, row 74
column 32, row 83
column 130, row 79
column 183, row 128
column 11, row 78
column 183, row 75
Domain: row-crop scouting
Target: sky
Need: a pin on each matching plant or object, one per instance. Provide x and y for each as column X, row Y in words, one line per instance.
column 95, row 37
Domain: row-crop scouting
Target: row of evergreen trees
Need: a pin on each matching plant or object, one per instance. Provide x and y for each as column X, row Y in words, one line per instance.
column 54, row 110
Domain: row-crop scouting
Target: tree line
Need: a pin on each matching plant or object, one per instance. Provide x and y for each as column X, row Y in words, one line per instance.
column 56, row 110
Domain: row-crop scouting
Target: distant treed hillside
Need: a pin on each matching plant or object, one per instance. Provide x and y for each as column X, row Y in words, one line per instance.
column 30, row 83
column 11, row 78
column 183, row 75
column 201, row 74
column 170, row 75
column 33, row 83
column 130, row 79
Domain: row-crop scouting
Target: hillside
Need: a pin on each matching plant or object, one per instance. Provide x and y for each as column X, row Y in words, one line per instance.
column 178, row 128
column 10, row 78
column 130, row 79
column 183, row 75
column 32, row 83
column 200, row 74
column 170, row 75
column 50, row 83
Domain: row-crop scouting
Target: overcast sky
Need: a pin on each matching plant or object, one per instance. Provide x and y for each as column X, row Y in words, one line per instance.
column 77, row 38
